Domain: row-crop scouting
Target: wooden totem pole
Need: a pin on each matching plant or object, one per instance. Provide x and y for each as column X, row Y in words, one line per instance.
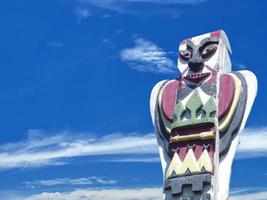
column 198, row 118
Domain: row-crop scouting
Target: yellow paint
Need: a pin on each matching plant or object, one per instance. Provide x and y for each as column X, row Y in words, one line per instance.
column 202, row 136
column 189, row 163
column 204, row 161
column 225, row 122
column 175, row 165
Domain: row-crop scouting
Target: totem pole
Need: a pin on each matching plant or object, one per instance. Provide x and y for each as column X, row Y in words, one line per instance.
column 198, row 118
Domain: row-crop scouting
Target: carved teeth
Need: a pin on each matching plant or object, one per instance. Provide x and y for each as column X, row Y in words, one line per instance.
column 195, row 75
column 175, row 166
column 180, row 168
column 204, row 161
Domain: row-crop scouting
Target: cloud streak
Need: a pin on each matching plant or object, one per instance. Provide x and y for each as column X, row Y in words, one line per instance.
column 102, row 194
column 39, row 150
column 169, row 8
column 130, row 194
column 253, row 143
column 254, row 196
column 68, row 181
column 249, row 193
column 113, row 4
column 146, row 56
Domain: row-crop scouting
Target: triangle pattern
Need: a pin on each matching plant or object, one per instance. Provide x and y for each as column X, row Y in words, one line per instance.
column 175, row 166
column 204, row 161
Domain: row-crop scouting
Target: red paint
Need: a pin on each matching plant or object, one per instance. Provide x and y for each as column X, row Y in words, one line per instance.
column 198, row 149
column 226, row 94
column 169, row 99
column 215, row 33
column 196, row 129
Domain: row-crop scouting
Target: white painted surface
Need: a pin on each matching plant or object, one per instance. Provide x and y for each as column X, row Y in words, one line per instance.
column 225, row 166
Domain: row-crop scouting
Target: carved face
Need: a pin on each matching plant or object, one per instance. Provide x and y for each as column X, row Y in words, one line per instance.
column 201, row 55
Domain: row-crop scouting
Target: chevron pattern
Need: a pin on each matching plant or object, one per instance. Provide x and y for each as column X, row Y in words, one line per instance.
column 189, row 165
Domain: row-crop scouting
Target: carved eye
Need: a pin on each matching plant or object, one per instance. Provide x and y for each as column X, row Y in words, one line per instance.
column 208, row 50
column 186, row 55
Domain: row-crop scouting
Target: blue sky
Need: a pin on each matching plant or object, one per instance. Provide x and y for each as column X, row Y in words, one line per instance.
column 75, row 82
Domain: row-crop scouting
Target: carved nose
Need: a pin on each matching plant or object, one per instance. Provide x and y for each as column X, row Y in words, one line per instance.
column 195, row 66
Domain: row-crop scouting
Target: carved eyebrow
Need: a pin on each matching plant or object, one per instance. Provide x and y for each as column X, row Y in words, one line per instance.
column 203, row 46
column 209, row 39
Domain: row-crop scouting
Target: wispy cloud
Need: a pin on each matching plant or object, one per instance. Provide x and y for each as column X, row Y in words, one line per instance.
column 239, row 66
column 146, row 56
column 171, row 8
column 132, row 194
column 136, row 160
column 255, row 193
column 102, row 194
column 120, row 5
column 82, row 13
column 56, row 44
column 39, row 150
column 250, row 196
column 69, row 181
column 253, row 143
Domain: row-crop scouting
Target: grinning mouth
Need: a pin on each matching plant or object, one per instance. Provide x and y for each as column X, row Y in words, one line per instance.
column 196, row 77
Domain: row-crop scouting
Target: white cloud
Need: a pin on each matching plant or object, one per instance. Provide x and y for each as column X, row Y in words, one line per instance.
column 39, row 150
column 131, row 194
column 102, row 194
column 249, row 194
column 146, row 56
column 143, row 160
column 113, row 4
column 253, row 143
column 69, row 181
column 166, row 7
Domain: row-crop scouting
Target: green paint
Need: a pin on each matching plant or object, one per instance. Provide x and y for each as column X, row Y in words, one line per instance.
column 210, row 108
column 178, row 112
column 194, row 104
column 193, row 108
